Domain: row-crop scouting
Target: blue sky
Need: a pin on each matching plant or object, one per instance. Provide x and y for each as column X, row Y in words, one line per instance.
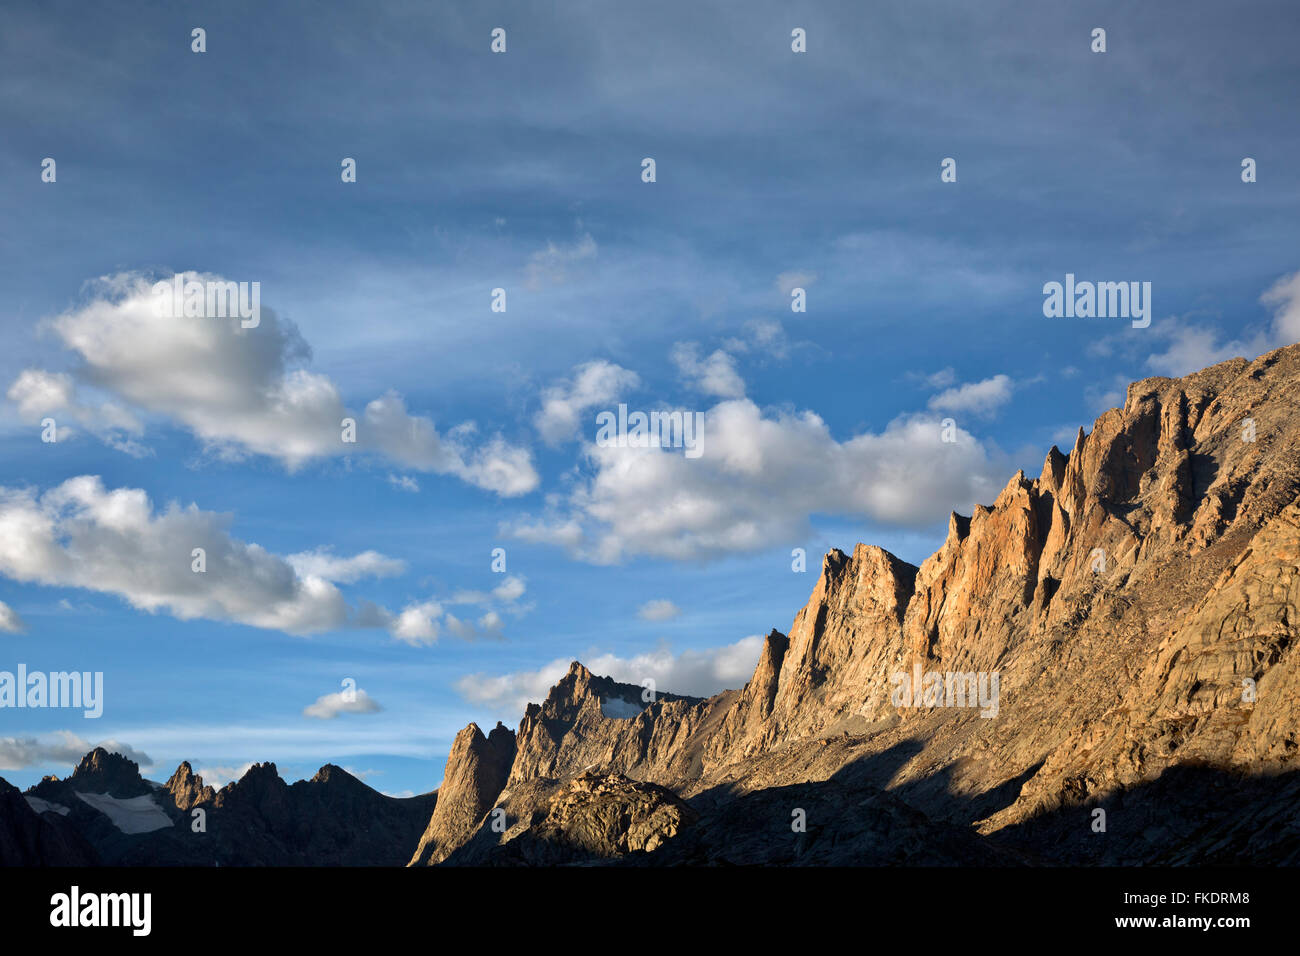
column 522, row 171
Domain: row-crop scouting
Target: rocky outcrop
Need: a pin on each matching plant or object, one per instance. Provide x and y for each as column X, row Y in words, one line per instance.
column 1136, row 603
column 103, row 772
column 477, row 769
column 1117, row 634
column 590, row 721
column 186, row 788
column 596, row 818
column 28, row 838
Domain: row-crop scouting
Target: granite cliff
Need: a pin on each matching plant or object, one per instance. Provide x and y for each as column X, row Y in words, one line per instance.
column 1136, row 603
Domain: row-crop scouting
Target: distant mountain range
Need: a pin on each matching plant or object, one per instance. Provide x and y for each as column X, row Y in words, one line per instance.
column 1098, row 668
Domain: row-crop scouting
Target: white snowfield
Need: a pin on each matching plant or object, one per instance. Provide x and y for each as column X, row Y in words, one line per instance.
column 136, row 815
column 618, row 709
column 44, row 806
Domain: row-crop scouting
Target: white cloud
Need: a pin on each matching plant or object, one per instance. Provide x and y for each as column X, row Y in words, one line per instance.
column 322, row 563
column 218, row 777
column 507, row 695
column 423, row 622
column 976, row 398
column 659, row 610
column 61, row 747
column 510, row 590
column 507, row 592
column 79, row 534
column 756, row 483
column 697, row 673
column 940, row 379
column 404, row 483
column 39, row 393
column 763, row 337
column 418, row 623
column 1192, row 347
column 331, row 705
column 240, row 390
column 487, row 627
column 1284, row 297
column 10, row 622
column 594, row 384
column 787, row 282
column 715, row 375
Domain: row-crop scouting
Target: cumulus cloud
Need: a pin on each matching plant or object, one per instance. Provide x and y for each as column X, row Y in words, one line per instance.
column 60, row 747
column 80, row 534
column 1284, row 297
column 759, row 478
column 660, row 610
column 343, row 702
column 975, row 398
column 1190, row 346
column 422, row 623
column 324, row 564
column 10, row 622
column 713, row 375
column 241, row 391
column 698, row 673
column 418, row 623
column 38, row 393
column 594, row 384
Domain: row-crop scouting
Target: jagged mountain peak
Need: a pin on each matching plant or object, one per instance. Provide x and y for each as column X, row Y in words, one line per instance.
column 333, row 773
column 1108, row 596
column 100, row 771
column 187, row 788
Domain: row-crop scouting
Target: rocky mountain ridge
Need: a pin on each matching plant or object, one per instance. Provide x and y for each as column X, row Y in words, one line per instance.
column 1105, row 671
column 106, row 813
column 1136, row 602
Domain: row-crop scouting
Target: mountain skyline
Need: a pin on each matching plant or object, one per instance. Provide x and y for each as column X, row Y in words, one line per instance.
column 1132, row 603
column 522, row 171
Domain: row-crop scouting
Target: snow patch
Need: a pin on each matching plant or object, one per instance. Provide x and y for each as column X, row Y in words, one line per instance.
column 44, row 806
column 618, row 709
column 136, row 815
